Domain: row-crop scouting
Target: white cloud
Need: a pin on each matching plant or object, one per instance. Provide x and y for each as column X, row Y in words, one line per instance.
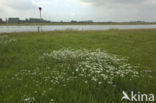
column 112, row 2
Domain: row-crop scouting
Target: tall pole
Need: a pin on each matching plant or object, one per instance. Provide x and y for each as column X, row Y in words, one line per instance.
column 40, row 9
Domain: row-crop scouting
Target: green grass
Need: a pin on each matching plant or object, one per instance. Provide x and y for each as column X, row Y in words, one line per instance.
column 23, row 54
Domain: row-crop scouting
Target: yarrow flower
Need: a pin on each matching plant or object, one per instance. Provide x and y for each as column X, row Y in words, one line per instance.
column 5, row 39
column 94, row 64
column 29, row 99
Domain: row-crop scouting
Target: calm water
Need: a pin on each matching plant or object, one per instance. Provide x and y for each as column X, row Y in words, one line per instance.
column 6, row 29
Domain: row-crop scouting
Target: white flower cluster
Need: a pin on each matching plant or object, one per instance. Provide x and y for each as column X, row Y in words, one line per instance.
column 67, row 67
column 5, row 39
column 29, row 99
column 92, row 65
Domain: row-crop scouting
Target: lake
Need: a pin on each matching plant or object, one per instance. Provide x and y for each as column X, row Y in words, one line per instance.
column 7, row 29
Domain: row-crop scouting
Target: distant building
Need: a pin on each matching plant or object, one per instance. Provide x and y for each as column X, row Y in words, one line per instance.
column 73, row 21
column 37, row 20
column 1, row 21
column 13, row 20
column 18, row 21
column 88, row 21
column 24, row 21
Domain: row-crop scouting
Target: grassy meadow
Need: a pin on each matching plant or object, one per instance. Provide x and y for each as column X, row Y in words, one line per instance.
column 76, row 66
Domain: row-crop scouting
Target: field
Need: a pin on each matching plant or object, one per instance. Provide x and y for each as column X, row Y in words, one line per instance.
column 77, row 66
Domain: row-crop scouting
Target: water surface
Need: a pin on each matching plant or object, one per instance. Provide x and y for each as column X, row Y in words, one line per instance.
column 7, row 29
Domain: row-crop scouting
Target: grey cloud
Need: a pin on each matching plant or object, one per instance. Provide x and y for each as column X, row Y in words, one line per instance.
column 19, row 4
column 100, row 10
column 17, row 8
column 123, row 10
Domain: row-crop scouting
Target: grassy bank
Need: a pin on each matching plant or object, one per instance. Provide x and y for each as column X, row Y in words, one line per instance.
column 30, row 72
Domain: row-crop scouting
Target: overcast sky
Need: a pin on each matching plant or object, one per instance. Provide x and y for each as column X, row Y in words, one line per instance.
column 66, row 10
